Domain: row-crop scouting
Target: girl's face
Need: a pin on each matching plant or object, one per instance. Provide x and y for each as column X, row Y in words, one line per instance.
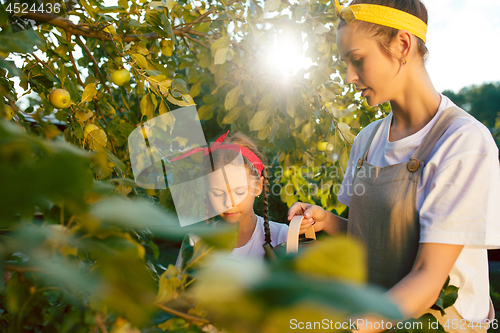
column 233, row 200
column 371, row 70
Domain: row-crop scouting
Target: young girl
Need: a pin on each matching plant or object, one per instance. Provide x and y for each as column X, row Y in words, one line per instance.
column 231, row 195
column 423, row 184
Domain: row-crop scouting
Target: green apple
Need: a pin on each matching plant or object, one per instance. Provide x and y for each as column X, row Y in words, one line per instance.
column 8, row 112
column 90, row 128
column 60, row 98
column 120, row 77
column 321, row 146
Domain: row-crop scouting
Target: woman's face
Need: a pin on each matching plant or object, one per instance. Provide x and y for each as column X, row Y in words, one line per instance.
column 371, row 70
column 234, row 199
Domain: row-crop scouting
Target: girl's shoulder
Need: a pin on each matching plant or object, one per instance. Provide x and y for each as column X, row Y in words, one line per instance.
column 278, row 226
column 279, row 231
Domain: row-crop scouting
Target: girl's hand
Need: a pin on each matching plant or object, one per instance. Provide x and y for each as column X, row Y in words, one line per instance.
column 313, row 216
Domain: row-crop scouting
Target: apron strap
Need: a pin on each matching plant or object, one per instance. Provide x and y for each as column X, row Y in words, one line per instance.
column 369, row 143
column 441, row 125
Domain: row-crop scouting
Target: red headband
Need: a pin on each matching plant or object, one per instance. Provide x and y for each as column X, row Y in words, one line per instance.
column 219, row 145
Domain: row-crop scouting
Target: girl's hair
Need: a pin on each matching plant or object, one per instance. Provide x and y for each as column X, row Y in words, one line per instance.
column 223, row 157
column 386, row 34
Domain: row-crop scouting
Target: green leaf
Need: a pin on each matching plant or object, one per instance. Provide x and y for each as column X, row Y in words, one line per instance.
column 116, row 161
column 82, row 116
column 163, row 108
column 167, row 47
column 140, row 60
column 267, row 101
column 3, row 15
column 51, row 170
column 97, row 140
column 147, row 107
column 233, row 115
column 206, row 111
column 89, row 93
column 180, row 86
column 11, row 67
column 167, row 27
column 205, row 59
column 259, row 120
column 195, row 89
column 232, row 97
column 77, row 128
column 155, row 249
column 168, row 285
column 22, row 42
column 221, row 43
column 221, row 56
column 271, row 5
column 167, row 118
column 88, row 8
column 447, row 297
column 350, row 267
column 123, row 3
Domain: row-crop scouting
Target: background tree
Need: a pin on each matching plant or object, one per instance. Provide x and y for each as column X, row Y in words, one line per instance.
column 483, row 102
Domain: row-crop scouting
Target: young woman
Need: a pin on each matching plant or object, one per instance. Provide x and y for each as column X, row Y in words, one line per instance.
column 231, row 195
column 422, row 184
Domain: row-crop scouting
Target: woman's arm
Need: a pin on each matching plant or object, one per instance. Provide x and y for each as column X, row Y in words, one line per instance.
column 317, row 216
column 419, row 290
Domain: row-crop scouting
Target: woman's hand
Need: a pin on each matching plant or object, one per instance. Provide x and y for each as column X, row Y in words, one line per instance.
column 313, row 216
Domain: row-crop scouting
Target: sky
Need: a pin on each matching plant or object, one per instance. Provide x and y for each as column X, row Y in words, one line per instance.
column 463, row 38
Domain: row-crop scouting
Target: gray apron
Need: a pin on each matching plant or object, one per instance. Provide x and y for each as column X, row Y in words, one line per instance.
column 383, row 212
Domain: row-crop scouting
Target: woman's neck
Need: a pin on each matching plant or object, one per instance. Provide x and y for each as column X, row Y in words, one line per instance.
column 246, row 228
column 414, row 106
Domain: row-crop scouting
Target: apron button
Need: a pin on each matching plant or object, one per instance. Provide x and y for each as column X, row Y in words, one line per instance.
column 360, row 163
column 413, row 165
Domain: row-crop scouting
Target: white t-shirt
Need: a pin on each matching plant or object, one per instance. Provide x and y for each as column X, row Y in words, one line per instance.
column 253, row 248
column 458, row 198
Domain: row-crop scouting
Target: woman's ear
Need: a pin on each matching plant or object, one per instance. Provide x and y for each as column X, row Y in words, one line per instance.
column 404, row 43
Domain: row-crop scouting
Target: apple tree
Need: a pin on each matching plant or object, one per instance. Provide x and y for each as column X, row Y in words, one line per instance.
column 78, row 77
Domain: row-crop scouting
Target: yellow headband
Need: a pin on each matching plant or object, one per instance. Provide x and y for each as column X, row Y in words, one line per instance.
column 385, row 16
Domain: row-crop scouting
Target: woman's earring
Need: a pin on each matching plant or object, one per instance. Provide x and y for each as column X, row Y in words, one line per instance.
column 403, row 61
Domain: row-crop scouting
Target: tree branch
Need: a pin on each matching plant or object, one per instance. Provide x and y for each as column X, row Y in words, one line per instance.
column 85, row 30
column 204, row 21
column 100, row 323
column 202, row 16
column 96, row 65
column 195, row 40
column 187, row 44
column 182, row 314
column 21, row 269
column 44, row 64
column 77, row 72
column 88, row 31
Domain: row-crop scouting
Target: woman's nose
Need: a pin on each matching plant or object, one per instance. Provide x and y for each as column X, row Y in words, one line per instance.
column 352, row 75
